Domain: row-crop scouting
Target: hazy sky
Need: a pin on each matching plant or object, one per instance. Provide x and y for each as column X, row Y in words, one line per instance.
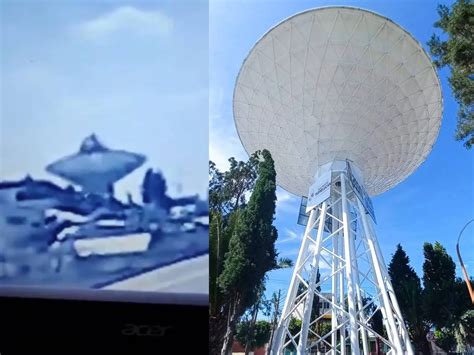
column 135, row 73
column 431, row 205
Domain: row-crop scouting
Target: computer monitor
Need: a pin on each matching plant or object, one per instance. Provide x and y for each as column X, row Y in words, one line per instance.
column 103, row 175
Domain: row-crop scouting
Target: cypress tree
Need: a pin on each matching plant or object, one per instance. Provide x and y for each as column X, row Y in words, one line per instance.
column 407, row 287
column 252, row 247
column 439, row 276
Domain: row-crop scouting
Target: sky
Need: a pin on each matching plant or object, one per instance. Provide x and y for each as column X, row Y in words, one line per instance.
column 433, row 204
column 135, row 73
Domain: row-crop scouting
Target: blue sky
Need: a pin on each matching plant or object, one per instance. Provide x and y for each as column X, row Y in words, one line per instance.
column 135, row 73
column 431, row 205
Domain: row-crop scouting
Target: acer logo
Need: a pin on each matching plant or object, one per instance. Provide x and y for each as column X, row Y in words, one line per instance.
column 145, row 330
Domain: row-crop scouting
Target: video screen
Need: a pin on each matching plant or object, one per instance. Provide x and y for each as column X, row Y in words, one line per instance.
column 104, row 145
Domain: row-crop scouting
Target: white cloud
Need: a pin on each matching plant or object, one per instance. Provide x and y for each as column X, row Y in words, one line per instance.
column 286, row 201
column 290, row 236
column 283, row 196
column 127, row 19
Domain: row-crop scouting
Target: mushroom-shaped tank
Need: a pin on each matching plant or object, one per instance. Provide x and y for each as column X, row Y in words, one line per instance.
column 95, row 167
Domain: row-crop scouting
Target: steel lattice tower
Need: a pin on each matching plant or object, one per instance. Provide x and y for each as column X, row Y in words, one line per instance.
column 349, row 105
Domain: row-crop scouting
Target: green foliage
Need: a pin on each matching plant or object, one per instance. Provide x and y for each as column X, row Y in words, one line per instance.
column 252, row 245
column 407, row 287
column 464, row 331
column 216, row 187
column 219, row 237
column 463, row 316
column 214, row 261
column 439, row 280
column 284, row 263
column 324, row 328
column 405, row 281
column 259, row 337
column 294, row 326
column 226, row 200
column 445, row 300
column 457, row 52
column 227, row 192
column 239, row 273
column 227, row 189
column 315, row 311
column 376, row 322
column 457, row 337
column 445, row 339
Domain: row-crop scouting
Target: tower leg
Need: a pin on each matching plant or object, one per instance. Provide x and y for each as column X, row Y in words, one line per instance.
column 282, row 327
column 308, row 307
column 334, row 286
column 349, row 269
column 381, row 282
column 351, row 266
column 393, row 298
column 342, row 301
column 360, row 306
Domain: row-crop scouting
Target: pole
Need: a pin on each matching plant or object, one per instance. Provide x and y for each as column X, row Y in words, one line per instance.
column 463, row 268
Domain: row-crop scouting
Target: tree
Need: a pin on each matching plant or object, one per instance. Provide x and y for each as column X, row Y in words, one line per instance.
column 445, row 300
column 457, row 52
column 459, row 336
column 445, row 304
column 263, row 303
column 220, row 231
column 407, row 287
column 439, row 273
column 276, row 299
column 154, row 189
column 315, row 308
column 376, row 323
column 463, row 325
column 464, row 331
column 258, row 337
column 227, row 190
column 252, row 323
column 251, row 248
column 216, row 187
column 294, row 327
column 219, row 237
column 224, row 210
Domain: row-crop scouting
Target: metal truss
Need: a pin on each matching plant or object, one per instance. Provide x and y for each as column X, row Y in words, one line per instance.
column 340, row 242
